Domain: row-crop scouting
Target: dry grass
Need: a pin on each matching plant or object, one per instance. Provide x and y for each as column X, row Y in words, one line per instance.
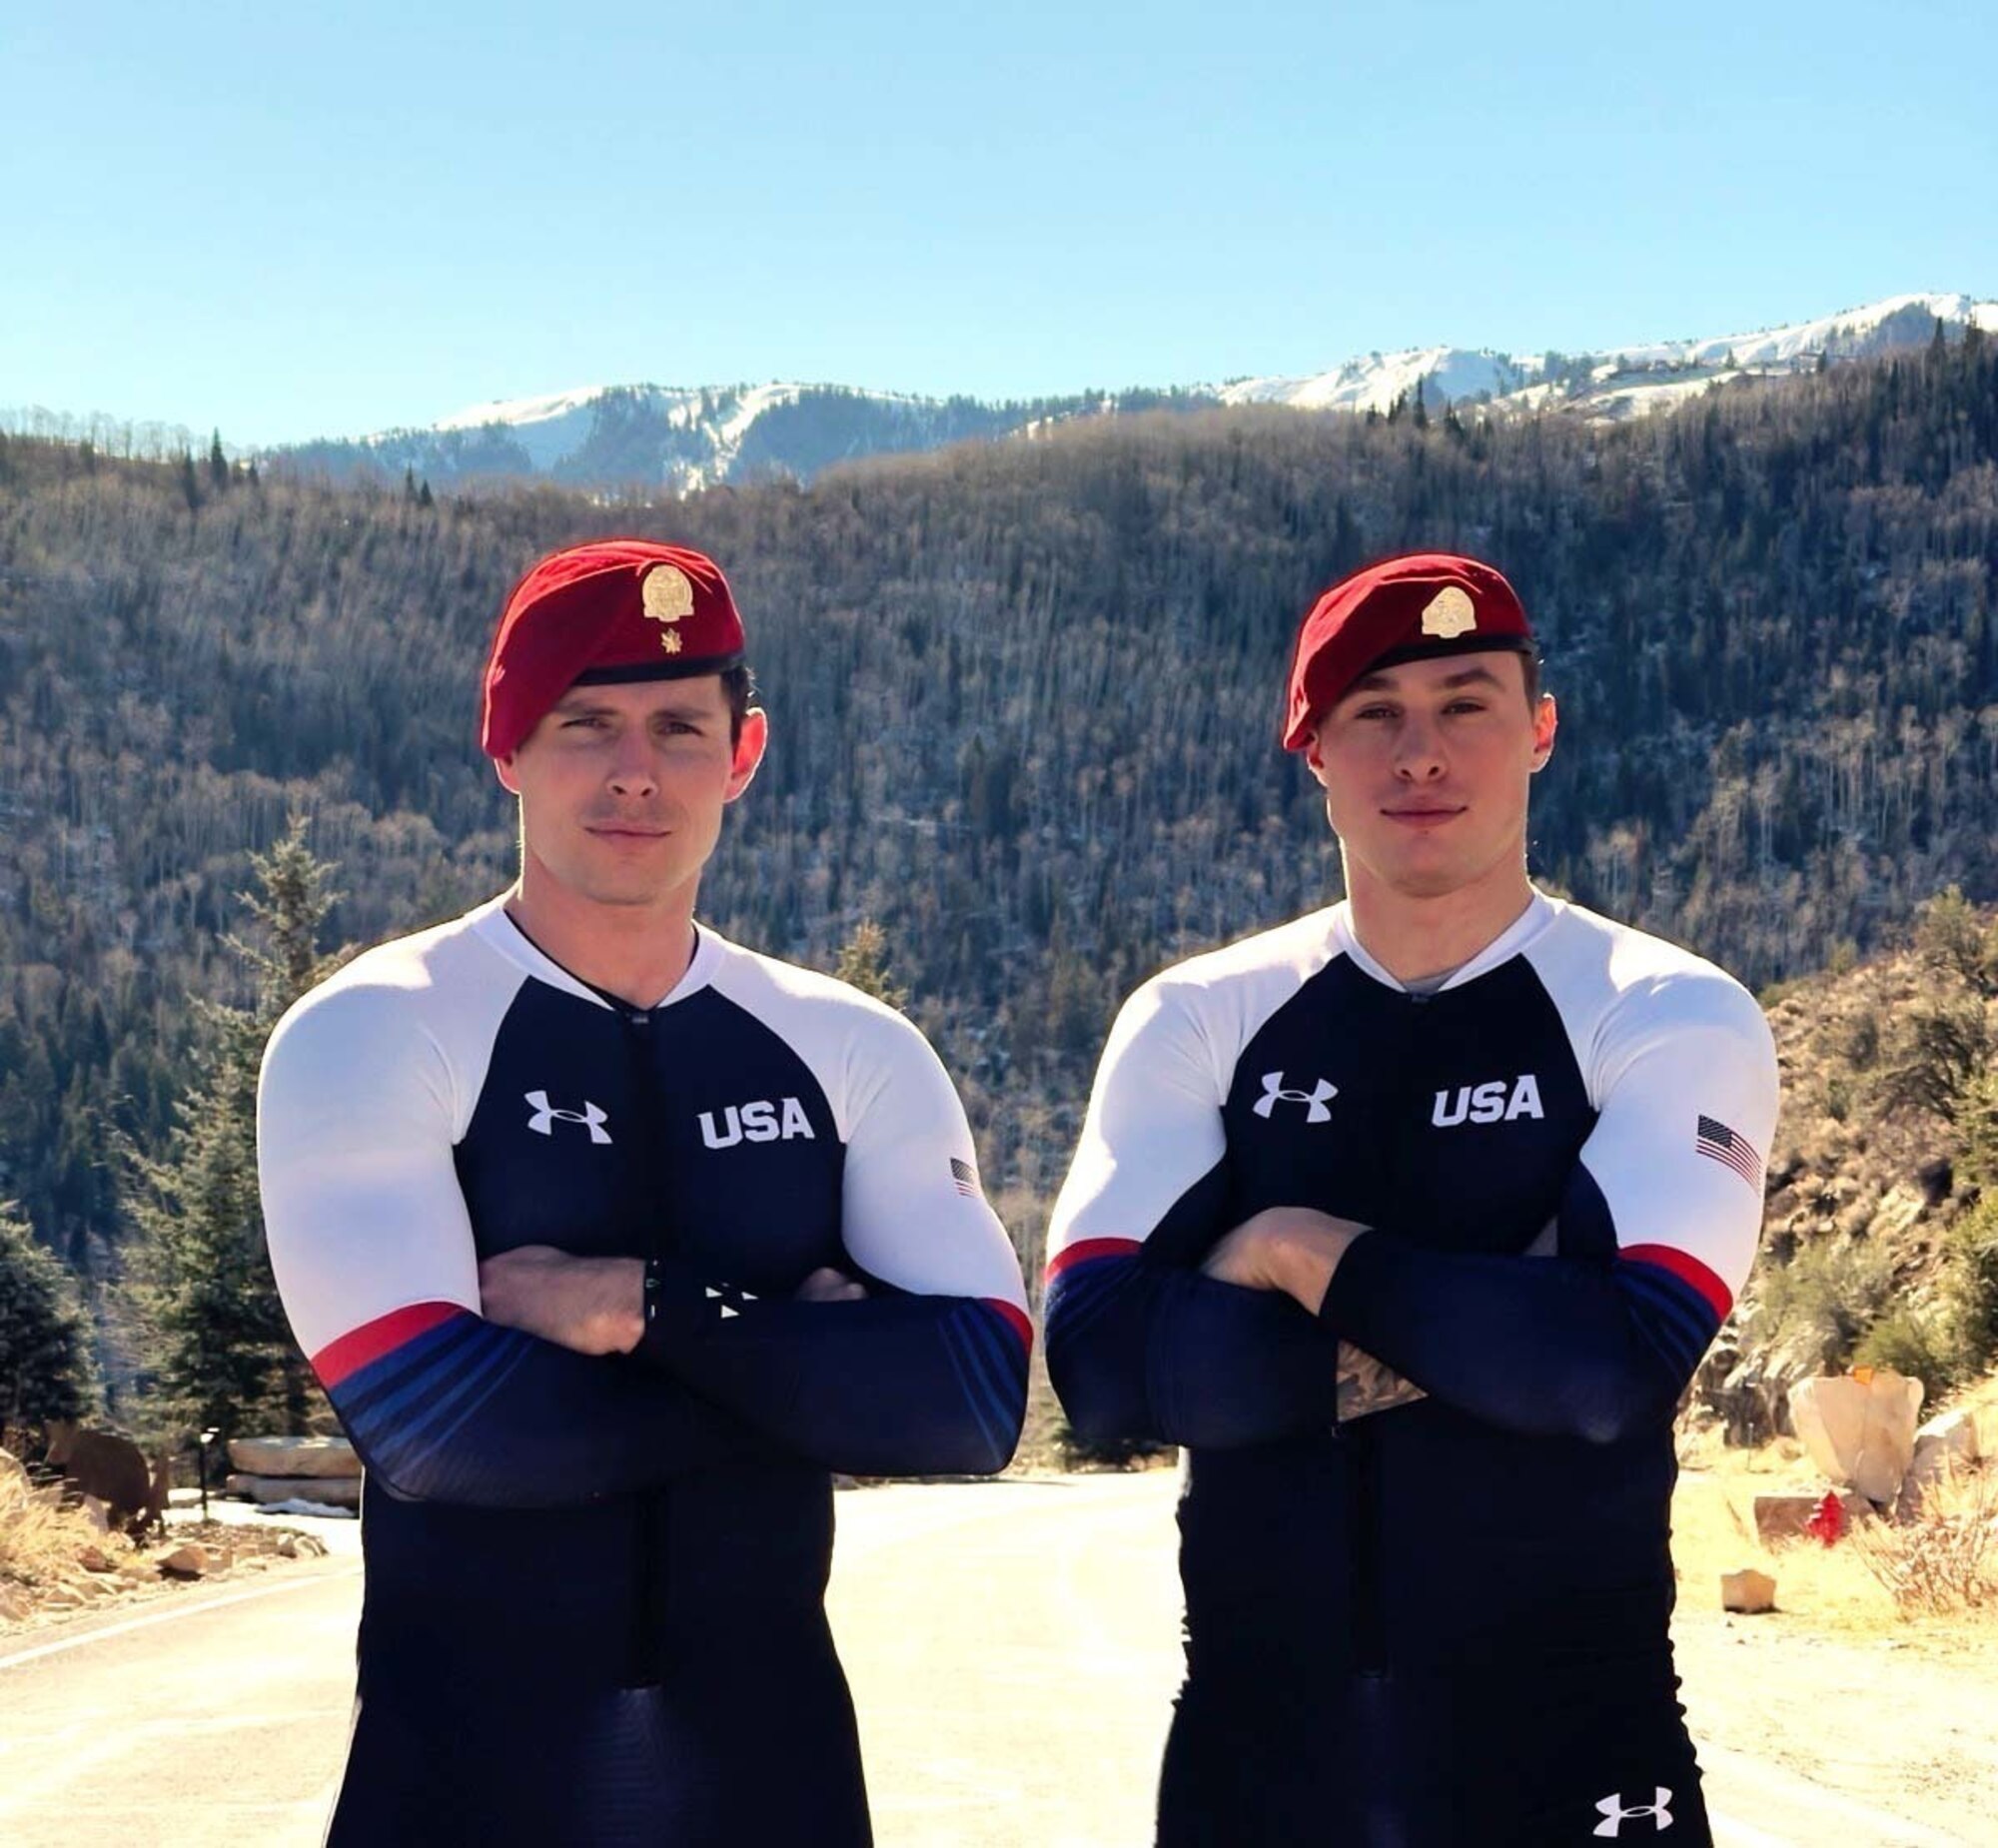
column 1925, row 1584
column 39, row 1545
column 1943, row 1562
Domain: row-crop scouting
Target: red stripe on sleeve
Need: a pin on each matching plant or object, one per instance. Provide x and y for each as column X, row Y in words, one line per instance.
column 1014, row 1319
column 1084, row 1250
column 354, row 1350
column 1688, row 1270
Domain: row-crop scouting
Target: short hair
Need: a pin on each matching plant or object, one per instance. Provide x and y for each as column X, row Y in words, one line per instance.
column 738, row 687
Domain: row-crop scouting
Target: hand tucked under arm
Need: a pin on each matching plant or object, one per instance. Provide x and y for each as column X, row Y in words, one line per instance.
column 1294, row 1250
column 590, row 1304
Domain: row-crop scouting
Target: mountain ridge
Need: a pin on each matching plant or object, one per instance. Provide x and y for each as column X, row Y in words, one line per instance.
column 683, row 437
column 644, row 439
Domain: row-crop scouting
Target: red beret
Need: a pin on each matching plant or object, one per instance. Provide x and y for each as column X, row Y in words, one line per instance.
column 614, row 610
column 1401, row 609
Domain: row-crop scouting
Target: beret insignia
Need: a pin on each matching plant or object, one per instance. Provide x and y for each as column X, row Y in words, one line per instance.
column 1447, row 614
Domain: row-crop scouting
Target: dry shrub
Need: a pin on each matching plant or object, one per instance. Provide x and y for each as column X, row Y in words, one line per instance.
column 39, row 1545
column 1943, row 1558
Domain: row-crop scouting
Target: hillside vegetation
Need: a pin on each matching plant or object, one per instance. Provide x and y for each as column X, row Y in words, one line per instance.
column 1024, row 698
column 1880, row 1242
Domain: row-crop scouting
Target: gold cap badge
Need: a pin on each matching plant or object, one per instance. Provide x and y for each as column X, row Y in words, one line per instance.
column 1450, row 614
column 667, row 596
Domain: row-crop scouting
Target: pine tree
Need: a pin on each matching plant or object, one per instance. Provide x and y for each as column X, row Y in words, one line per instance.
column 224, row 1355
column 863, row 963
column 46, row 1371
column 218, row 464
column 1421, row 410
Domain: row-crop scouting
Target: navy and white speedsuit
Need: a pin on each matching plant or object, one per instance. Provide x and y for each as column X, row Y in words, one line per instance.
column 1434, row 1613
column 593, row 1602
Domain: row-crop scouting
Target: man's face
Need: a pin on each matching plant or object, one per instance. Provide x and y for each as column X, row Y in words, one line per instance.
column 1424, row 769
column 622, row 787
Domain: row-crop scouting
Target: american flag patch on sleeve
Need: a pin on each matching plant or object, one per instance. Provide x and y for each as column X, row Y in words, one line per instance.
column 1718, row 1143
column 965, row 1177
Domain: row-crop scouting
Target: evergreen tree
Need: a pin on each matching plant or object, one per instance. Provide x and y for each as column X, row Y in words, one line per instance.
column 1421, row 410
column 218, row 464
column 863, row 963
column 224, row 1355
column 46, row 1370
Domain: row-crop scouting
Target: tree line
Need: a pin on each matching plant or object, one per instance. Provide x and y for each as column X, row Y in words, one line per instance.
column 1025, row 700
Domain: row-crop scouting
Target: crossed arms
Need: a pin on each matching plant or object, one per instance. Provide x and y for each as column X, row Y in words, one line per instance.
column 1248, row 1347
column 559, row 1389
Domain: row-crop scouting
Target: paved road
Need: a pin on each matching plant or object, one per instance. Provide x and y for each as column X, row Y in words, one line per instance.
column 1011, row 1648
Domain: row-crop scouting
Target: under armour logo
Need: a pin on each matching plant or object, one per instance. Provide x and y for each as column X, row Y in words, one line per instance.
column 1315, row 1098
column 1615, row 1815
column 729, row 1299
column 591, row 1116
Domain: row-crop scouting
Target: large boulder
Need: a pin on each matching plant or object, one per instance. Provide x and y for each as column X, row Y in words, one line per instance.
column 313, row 1457
column 1859, row 1427
column 266, row 1490
column 1946, row 1447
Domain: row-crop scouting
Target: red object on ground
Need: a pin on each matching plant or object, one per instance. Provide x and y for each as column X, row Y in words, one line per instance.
column 1828, row 1524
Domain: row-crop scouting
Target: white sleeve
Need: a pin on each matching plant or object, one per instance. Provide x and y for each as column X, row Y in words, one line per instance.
column 1154, row 1125
column 362, row 1206
column 912, row 1211
column 1685, row 1084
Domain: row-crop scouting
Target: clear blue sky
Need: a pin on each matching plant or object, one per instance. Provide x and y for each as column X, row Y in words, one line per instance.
column 303, row 219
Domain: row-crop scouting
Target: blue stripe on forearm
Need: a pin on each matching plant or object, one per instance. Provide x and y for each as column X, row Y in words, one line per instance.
column 1077, row 1297
column 442, row 1399
column 1671, row 1315
column 432, row 1389
column 974, row 1391
column 509, row 1360
column 383, row 1380
column 995, row 1356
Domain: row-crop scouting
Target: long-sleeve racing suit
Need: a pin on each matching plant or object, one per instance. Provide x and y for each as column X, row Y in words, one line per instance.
column 1435, row 1615
column 594, row 1584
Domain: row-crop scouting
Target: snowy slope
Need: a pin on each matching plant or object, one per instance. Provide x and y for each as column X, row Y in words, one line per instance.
column 681, row 437
column 1618, row 381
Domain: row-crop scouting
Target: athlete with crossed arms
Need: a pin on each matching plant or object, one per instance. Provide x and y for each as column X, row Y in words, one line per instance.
column 1410, row 1220
column 608, row 1240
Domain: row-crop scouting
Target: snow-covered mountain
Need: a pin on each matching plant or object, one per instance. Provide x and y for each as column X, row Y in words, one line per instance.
column 648, row 437
column 1618, row 381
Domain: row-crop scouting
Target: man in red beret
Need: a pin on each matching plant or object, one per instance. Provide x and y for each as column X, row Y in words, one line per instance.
column 610, row 1241
column 1410, row 1220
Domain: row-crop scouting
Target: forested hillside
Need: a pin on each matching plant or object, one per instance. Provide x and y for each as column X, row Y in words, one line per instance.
column 1025, row 701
